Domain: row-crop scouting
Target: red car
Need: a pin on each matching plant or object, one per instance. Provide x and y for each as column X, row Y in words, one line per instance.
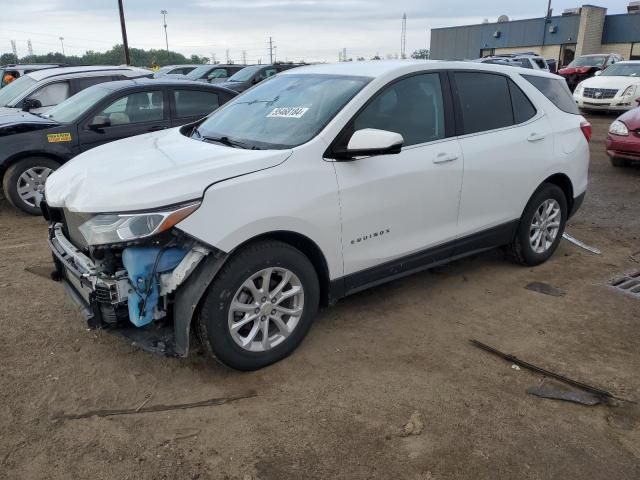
column 623, row 140
column 586, row 66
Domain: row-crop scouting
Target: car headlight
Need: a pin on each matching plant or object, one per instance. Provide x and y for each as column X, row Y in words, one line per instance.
column 107, row 228
column 630, row 90
column 579, row 89
column 619, row 128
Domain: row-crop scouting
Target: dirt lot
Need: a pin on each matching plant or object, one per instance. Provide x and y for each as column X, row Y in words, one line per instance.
column 338, row 407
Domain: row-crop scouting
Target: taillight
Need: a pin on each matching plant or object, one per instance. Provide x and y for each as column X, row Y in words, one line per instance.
column 586, row 130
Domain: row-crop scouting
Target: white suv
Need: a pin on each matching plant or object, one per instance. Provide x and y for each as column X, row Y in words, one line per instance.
column 316, row 184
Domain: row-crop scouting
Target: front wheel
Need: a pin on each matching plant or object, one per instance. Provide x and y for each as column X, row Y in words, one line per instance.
column 541, row 226
column 260, row 306
column 23, row 182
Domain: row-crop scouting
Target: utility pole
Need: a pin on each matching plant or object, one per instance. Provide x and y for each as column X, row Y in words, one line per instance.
column 15, row 50
column 228, row 59
column 30, row 48
column 213, row 58
column 403, row 38
column 274, row 54
column 244, row 57
column 62, row 43
column 344, row 54
column 125, row 44
column 271, row 49
column 164, row 18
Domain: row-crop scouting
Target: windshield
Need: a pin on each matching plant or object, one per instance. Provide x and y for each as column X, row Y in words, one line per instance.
column 596, row 61
column 622, row 70
column 14, row 91
column 198, row 72
column 244, row 74
column 282, row 112
column 73, row 107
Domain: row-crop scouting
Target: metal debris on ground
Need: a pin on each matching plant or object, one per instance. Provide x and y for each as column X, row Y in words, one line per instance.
column 580, row 244
column 545, row 288
column 560, row 392
column 604, row 395
column 629, row 284
column 154, row 408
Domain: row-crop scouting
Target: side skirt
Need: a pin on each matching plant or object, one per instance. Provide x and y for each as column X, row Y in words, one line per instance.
column 416, row 262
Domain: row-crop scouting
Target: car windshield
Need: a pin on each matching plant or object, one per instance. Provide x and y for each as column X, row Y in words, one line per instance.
column 282, row 112
column 198, row 72
column 596, row 61
column 74, row 107
column 622, row 70
column 14, row 91
column 245, row 74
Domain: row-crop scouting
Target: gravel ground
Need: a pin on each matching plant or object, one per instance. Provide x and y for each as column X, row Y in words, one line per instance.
column 386, row 385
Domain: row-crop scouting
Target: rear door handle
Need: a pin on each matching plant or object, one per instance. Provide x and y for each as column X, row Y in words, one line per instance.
column 534, row 137
column 445, row 157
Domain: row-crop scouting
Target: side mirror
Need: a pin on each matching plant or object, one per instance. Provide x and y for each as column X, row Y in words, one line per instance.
column 30, row 104
column 370, row 142
column 99, row 122
column 598, row 73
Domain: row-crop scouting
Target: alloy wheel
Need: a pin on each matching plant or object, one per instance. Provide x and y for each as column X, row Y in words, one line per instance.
column 545, row 226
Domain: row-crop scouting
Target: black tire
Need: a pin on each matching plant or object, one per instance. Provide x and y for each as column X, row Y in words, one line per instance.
column 212, row 324
column 12, row 176
column 520, row 249
column 619, row 162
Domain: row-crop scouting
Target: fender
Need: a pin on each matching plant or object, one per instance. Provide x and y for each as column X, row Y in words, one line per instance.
column 188, row 298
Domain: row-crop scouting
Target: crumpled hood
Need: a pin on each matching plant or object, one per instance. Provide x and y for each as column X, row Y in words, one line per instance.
column 150, row 171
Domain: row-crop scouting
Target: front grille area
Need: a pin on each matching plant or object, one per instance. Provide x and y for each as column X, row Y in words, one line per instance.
column 600, row 93
column 106, row 293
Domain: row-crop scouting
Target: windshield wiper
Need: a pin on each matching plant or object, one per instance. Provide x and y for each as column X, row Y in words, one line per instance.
column 224, row 140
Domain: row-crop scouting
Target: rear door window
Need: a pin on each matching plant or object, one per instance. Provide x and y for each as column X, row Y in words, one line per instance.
column 135, row 108
column 51, row 94
column 556, row 90
column 191, row 103
column 485, row 101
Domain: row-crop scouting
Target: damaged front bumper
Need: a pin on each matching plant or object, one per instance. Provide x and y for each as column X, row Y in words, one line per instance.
column 149, row 297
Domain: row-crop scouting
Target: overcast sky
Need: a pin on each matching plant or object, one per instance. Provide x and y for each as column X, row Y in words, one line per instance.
column 314, row 30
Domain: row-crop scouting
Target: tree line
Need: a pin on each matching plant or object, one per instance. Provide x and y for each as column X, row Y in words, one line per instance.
column 114, row 56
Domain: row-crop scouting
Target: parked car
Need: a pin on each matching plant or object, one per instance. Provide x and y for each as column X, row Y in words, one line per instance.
column 33, row 146
column 314, row 185
column 15, row 70
column 623, row 139
column 250, row 76
column 586, row 66
column 175, row 70
column 525, row 60
column 40, row 90
column 615, row 89
column 210, row 73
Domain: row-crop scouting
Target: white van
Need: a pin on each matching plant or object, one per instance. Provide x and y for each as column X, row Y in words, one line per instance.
column 317, row 183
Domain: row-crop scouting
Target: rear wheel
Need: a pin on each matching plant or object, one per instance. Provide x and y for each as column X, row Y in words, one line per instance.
column 260, row 306
column 23, row 182
column 541, row 226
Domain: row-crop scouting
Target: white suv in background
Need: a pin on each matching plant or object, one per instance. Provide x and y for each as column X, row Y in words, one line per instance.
column 316, row 184
column 40, row 90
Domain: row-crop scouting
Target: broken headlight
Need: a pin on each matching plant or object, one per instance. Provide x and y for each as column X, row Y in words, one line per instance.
column 107, row 228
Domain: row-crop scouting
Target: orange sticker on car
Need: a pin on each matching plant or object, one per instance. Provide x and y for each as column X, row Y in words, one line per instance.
column 58, row 137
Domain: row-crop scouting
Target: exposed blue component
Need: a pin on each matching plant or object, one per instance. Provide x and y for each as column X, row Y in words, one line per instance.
column 139, row 263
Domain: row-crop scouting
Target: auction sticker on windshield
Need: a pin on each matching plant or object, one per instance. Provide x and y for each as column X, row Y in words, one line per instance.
column 288, row 112
column 58, row 137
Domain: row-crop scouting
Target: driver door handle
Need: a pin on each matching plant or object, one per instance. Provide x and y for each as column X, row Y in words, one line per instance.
column 445, row 157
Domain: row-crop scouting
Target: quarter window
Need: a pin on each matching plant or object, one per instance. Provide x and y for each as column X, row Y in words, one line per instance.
column 412, row 107
column 52, row 94
column 556, row 90
column 484, row 101
column 523, row 109
column 191, row 103
column 135, row 108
